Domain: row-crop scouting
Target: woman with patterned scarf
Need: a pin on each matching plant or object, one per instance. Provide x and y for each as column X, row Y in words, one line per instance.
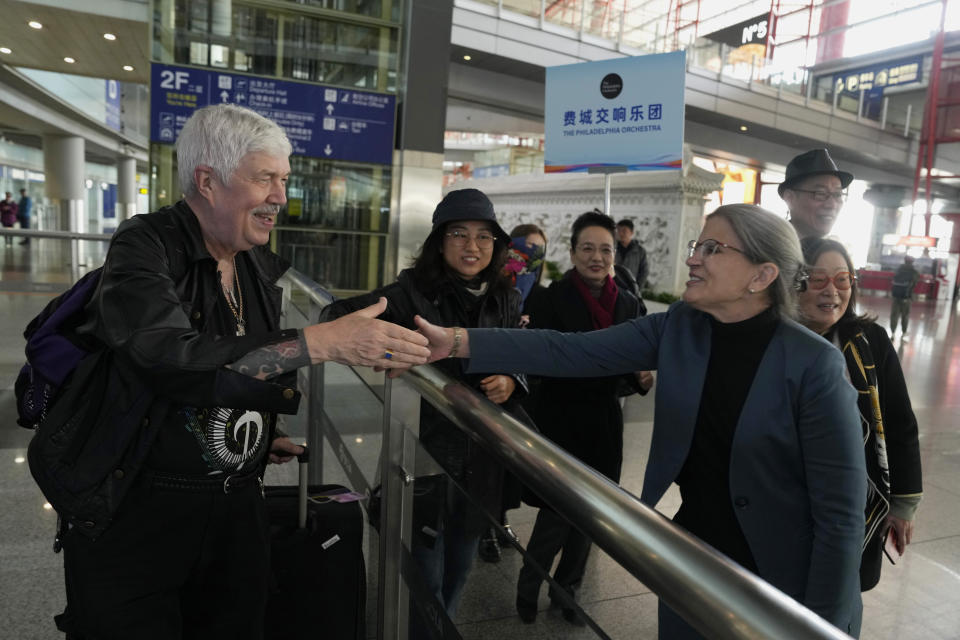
column 891, row 444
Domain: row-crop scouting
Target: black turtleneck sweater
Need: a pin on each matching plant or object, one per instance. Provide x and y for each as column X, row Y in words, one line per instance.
column 735, row 353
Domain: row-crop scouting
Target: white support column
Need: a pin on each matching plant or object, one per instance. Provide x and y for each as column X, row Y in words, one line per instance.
column 126, row 188
column 63, row 164
column 417, row 180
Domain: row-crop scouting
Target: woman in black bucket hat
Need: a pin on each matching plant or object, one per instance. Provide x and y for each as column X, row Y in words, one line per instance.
column 457, row 279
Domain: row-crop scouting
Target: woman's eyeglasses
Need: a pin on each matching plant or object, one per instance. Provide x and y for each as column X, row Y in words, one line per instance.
column 842, row 280
column 708, row 248
column 460, row 239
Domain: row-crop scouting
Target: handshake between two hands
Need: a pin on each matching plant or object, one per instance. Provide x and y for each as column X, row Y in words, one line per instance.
column 360, row 338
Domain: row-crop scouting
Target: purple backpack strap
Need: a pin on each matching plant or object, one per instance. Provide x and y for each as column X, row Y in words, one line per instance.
column 51, row 355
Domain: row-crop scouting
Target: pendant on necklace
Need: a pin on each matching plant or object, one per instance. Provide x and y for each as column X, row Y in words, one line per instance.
column 240, row 330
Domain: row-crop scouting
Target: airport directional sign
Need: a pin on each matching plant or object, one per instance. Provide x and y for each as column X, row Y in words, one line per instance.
column 321, row 121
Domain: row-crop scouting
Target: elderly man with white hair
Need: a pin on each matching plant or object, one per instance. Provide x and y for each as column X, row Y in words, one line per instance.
column 189, row 309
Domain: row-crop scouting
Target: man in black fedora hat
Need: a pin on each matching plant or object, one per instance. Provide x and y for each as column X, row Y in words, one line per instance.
column 814, row 190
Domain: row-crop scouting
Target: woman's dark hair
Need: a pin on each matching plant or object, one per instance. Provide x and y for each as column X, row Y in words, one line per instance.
column 813, row 248
column 430, row 269
column 591, row 219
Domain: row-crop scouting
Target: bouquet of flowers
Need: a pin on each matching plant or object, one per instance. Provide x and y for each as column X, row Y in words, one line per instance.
column 524, row 263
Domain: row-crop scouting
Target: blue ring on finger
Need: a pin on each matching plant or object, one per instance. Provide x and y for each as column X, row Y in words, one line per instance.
column 388, row 355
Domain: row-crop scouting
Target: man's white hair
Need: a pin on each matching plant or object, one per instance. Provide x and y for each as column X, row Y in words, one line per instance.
column 219, row 136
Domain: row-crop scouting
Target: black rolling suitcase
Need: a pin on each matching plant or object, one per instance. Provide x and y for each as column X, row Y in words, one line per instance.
column 318, row 585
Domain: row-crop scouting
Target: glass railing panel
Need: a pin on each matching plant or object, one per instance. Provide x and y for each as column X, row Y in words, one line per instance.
column 524, row 7
column 451, row 513
column 340, row 260
column 459, row 491
column 48, row 263
column 706, row 55
column 601, row 19
column 565, row 13
column 355, row 415
column 371, row 8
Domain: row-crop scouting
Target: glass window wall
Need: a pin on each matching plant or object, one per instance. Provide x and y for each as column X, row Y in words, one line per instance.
column 277, row 42
column 334, row 227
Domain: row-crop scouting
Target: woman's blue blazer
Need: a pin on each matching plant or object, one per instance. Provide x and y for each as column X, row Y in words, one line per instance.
column 797, row 470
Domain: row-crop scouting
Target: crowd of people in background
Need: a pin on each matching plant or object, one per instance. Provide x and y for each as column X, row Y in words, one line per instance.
column 768, row 305
column 16, row 211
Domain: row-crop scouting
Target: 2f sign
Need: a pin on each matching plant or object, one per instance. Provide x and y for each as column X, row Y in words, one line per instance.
column 754, row 32
column 173, row 79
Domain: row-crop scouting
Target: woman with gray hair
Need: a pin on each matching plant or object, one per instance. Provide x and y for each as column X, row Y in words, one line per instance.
column 754, row 420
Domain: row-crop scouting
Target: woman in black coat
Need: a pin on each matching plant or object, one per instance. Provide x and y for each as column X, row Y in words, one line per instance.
column 582, row 415
column 891, row 441
column 456, row 280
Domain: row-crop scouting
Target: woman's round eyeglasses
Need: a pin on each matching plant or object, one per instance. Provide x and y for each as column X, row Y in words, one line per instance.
column 708, row 247
column 842, row 280
column 460, row 239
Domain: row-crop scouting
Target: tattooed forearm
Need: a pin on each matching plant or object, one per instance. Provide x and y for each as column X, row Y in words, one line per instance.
column 272, row 360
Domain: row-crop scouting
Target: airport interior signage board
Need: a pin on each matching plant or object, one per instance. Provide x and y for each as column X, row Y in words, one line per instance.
column 321, row 121
column 112, row 104
column 621, row 114
column 753, row 31
column 875, row 78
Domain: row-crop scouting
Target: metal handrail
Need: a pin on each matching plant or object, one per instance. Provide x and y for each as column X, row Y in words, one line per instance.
column 56, row 235
column 74, row 236
column 314, row 291
column 715, row 595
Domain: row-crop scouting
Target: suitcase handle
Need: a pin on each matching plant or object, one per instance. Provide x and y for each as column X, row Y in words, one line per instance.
column 304, row 461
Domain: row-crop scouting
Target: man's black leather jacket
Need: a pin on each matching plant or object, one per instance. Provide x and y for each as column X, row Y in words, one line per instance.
column 158, row 289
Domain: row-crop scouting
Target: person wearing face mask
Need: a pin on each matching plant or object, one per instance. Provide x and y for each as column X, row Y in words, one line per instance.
column 528, row 251
column 891, row 444
column 814, row 190
column 582, row 415
column 524, row 268
column 456, row 280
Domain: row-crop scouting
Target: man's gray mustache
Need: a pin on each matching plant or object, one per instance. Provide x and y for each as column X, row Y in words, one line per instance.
column 269, row 208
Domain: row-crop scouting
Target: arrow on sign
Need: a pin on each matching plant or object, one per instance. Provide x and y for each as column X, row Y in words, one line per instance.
column 327, row 150
column 224, row 96
column 329, row 109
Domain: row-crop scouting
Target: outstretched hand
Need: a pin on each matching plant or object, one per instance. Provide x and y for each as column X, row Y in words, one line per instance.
column 441, row 340
column 360, row 339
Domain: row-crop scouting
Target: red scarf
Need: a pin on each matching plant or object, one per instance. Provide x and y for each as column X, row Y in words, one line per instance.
column 601, row 309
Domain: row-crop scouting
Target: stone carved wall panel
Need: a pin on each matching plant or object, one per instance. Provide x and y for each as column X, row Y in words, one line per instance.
column 666, row 210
